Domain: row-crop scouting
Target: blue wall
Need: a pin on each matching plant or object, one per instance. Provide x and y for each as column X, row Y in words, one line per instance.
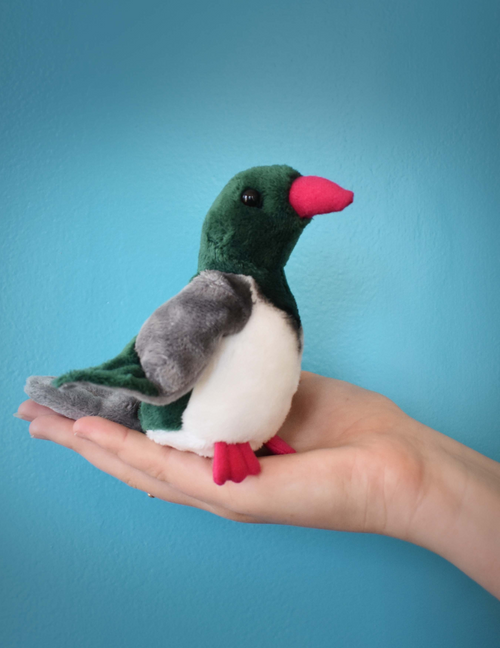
column 120, row 122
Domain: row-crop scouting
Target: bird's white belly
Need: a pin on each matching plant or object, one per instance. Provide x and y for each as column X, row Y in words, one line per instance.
column 244, row 394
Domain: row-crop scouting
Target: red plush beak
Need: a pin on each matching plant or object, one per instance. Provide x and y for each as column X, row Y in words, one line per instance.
column 311, row 195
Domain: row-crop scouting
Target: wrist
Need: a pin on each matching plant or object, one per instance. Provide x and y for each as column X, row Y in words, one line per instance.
column 458, row 515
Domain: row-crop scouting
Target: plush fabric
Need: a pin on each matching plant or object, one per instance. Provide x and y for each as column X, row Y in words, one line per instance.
column 234, row 462
column 177, row 342
column 124, row 371
column 85, row 399
column 168, row 417
column 236, row 239
column 246, row 390
column 255, row 241
column 310, row 195
column 277, row 446
column 219, row 362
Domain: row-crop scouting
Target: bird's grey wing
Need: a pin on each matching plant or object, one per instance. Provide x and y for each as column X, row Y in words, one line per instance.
column 165, row 360
column 177, row 342
column 75, row 400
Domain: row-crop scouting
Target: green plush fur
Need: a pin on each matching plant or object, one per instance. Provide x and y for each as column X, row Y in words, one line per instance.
column 236, row 238
column 123, row 371
column 255, row 241
column 167, row 417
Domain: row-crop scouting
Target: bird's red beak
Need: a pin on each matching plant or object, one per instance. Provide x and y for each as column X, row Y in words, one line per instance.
column 311, row 195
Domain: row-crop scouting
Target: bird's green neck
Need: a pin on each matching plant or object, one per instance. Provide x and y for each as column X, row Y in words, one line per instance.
column 272, row 283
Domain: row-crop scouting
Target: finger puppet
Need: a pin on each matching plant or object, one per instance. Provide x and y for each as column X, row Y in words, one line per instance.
column 214, row 369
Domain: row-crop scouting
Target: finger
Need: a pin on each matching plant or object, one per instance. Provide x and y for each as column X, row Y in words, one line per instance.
column 30, row 410
column 306, row 489
column 185, row 471
column 59, row 429
column 192, row 474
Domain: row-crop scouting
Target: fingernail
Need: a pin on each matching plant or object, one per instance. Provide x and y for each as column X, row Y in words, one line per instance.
column 84, row 435
column 78, row 432
column 35, row 432
column 17, row 415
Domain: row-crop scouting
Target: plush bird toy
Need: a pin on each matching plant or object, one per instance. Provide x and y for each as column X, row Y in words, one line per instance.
column 215, row 368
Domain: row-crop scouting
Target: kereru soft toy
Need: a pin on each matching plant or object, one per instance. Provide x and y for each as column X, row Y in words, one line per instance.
column 215, row 368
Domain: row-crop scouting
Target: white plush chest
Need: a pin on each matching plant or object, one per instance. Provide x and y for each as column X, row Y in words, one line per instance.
column 245, row 392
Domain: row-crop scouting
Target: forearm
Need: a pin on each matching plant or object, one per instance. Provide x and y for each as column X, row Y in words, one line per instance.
column 459, row 517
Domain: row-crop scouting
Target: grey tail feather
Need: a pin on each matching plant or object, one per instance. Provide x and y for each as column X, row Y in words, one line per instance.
column 75, row 400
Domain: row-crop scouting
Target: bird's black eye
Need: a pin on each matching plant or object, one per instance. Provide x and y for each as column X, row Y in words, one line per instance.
column 251, row 198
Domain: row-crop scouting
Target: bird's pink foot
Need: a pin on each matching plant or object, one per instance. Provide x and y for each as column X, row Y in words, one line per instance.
column 277, row 446
column 234, row 462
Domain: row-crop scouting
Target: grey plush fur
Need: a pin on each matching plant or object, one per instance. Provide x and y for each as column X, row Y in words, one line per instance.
column 177, row 342
column 174, row 346
column 76, row 400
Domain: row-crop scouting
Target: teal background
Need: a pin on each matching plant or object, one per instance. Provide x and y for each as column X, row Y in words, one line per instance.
column 120, row 122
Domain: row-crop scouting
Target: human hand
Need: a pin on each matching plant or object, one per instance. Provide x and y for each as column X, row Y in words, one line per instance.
column 361, row 465
column 348, row 449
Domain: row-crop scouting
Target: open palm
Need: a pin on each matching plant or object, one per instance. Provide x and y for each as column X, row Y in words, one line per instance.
column 360, row 463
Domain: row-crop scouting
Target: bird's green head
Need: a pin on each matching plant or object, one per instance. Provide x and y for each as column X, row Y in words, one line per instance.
column 256, row 220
